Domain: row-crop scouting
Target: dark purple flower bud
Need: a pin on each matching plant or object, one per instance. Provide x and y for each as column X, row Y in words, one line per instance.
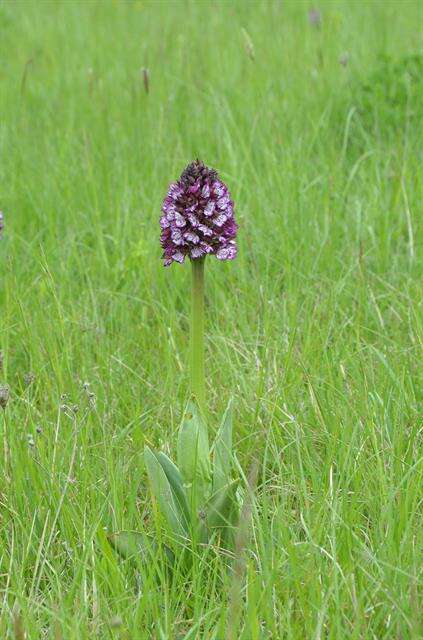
column 198, row 217
column 1, row 224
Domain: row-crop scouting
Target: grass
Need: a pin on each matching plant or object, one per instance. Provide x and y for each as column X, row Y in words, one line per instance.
column 316, row 328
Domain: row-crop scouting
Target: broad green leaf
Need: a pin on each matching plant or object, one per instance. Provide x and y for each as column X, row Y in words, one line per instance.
column 222, row 452
column 193, row 449
column 130, row 543
column 104, row 543
column 177, row 484
column 108, row 559
column 163, row 493
column 221, row 505
column 133, row 543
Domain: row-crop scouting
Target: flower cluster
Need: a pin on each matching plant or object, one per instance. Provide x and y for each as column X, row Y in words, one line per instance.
column 1, row 224
column 198, row 217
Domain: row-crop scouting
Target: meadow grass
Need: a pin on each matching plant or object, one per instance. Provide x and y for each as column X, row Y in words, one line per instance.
column 315, row 329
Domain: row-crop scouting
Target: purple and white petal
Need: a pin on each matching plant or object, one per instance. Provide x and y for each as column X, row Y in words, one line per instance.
column 178, row 256
column 206, row 246
column 205, row 230
column 191, row 237
column 168, row 206
column 193, row 220
column 223, row 202
column 175, row 191
column 229, row 228
column 209, row 208
column 177, row 237
column 227, row 252
column 223, row 253
column 194, row 187
column 220, row 220
column 179, row 220
column 218, row 188
column 197, row 252
column 205, row 191
column 164, row 222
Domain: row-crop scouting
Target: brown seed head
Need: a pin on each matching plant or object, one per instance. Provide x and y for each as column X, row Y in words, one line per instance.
column 4, row 396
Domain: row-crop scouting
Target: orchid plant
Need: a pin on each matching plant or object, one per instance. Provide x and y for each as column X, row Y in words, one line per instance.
column 197, row 496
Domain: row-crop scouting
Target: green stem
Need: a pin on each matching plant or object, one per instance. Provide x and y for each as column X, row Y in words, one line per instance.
column 197, row 332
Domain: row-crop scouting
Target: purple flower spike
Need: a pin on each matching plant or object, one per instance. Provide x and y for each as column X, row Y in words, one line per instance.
column 1, row 224
column 198, row 217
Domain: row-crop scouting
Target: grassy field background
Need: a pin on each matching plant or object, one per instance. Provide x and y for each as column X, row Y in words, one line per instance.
column 315, row 329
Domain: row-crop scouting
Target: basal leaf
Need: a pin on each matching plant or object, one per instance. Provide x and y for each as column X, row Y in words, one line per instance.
column 177, row 485
column 130, row 544
column 163, row 493
column 193, row 451
column 220, row 507
column 222, row 452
